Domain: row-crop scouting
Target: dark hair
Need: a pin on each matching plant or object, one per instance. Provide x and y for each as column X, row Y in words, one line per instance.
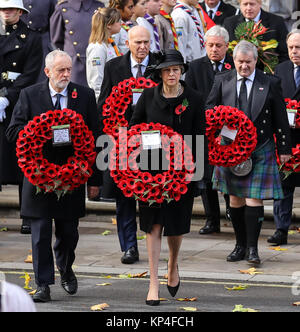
column 119, row 4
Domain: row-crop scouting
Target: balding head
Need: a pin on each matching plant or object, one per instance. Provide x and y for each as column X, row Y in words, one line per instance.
column 138, row 43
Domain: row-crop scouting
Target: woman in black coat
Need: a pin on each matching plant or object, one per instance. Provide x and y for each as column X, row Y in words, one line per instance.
column 158, row 105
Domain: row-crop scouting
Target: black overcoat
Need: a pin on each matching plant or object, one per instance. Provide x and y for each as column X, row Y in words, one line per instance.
column 285, row 71
column 34, row 101
column 153, row 107
column 20, row 52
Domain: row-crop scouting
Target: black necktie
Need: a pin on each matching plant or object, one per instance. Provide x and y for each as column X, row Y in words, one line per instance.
column 216, row 66
column 243, row 99
column 297, row 78
column 139, row 71
column 211, row 14
column 57, row 105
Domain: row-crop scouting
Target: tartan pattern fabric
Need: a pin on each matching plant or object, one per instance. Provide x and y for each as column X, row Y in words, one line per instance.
column 197, row 23
column 150, row 19
column 262, row 183
column 168, row 17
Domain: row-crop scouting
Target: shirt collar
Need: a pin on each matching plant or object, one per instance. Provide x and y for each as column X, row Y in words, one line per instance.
column 250, row 78
column 53, row 92
column 134, row 63
column 221, row 61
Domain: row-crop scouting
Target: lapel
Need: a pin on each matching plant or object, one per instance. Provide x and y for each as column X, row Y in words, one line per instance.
column 290, row 73
column 229, row 93
column 264, row 17
column 260, row 90
column 209, row 68
column 71, row 101
column 45, row 98
column 125, row 67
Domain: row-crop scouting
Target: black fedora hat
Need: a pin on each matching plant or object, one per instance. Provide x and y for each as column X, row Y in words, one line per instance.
column 170, row 57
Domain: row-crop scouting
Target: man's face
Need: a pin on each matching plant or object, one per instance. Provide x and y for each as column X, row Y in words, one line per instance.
column 127, row 11
column 139, row 44
column 293, row 45
column 212, row 3
column 60, row 73
column 153, row 7
column 10, row 15
column 250, row 8
column 216, row 48
column 244, row 63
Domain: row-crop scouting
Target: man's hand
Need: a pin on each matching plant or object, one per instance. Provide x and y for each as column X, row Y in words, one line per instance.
column 284, row 158
column 92, row 191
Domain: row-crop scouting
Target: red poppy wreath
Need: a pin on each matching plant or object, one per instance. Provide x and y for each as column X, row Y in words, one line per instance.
column 244, row 143
column 47, row 176
column 167, row 185
column 118, row 101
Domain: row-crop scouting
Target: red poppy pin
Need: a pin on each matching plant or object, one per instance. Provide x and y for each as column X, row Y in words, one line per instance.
column 182, row 107
column 227, row 66
column 74, row 94
column 218, row 13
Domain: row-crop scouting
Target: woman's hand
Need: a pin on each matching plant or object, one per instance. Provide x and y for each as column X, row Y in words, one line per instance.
column 284, row 158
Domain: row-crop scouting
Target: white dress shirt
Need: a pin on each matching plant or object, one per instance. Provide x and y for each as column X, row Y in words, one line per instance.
column 134, row 65
column 63, row 98
column 215, row 9
column 249, row 83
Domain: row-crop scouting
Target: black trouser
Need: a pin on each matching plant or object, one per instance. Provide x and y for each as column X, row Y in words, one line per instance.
column 66, row 233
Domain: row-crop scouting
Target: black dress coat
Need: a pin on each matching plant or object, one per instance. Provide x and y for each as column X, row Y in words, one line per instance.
column 20, row 52
column 115, row 71
column 34, row 101
column 285, row 71
column 267, row 107
column 225, row 10
column 153, row 107
column 277, row 30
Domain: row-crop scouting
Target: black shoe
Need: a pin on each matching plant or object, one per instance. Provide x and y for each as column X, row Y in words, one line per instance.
column 130, row 256
column 252, row 256
column 25, row 229
column 173, row 290
column 153, row 302
column 237, row 254
column 210, row 227
column 69, row 282
column 42, row 294
column 279, row 237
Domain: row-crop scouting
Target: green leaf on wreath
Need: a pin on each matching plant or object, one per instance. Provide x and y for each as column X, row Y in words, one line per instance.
column 38, row 190
column 151, row 202
column 167, row 182
column 146, row 192
column 169, row 200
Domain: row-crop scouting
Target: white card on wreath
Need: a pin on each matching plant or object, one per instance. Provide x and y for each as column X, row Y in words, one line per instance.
column 292, row 117
column 228, row 133
column 151, row 139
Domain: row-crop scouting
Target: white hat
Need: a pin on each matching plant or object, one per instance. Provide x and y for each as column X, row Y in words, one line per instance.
column 13, row 4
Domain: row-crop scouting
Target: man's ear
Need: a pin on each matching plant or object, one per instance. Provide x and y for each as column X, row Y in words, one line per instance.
column 47, row 72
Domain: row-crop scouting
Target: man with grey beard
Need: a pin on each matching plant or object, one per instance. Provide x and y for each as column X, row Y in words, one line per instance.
column 41, row 208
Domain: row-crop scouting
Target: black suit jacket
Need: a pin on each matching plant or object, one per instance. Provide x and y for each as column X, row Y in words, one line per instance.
column 277, row 30
column 285, row 71
column 225, row 9
column 200, row 75
column 34, row 101
column 268, row 111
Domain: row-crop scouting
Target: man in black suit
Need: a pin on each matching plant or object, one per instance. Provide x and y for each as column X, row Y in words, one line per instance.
column 41, row 208
column 217, row 10
column 132, row 64
column 251, row 10
column 259, row 95
column 289, row 72
column 200, row 76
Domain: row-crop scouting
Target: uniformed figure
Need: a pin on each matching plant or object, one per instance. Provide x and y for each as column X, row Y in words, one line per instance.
column 190, row 30
column 21, row 59
column 70, row 28
column 38, row 20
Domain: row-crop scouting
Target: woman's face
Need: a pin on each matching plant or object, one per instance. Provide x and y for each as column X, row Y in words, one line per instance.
column 127, row 11
column 140, row 9
column 171, row 75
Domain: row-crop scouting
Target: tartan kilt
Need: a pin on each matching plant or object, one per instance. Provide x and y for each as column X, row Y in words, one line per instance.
column 263, row 182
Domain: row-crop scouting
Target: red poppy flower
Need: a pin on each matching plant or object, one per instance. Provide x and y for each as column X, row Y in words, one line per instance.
column 218, row 13
column 227, row 66
column 74, row 94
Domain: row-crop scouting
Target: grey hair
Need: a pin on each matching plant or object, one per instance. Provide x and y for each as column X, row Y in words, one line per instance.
column 218, row 31
column 294, row 31
column 245, row 47
column 50, row 57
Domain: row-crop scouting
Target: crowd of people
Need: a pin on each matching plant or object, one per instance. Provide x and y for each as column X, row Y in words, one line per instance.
column 49, row 49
